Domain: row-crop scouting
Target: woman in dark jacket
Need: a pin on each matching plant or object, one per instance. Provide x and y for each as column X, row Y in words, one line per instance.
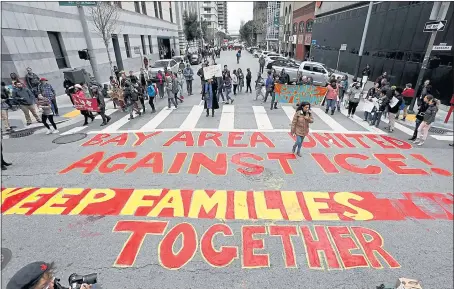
column 211, row 99
column 420, row 116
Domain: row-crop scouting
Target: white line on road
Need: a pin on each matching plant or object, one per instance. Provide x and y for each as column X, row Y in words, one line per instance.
column 361, row 122
column 329, row 120
column 261, row 118
column 443, row 137
column 116, row 125
column 160, row 117
column 193, row 117
column 397, row 125
column 81, row 128
column 285, row 130
column 289, row 111
column 227, row 118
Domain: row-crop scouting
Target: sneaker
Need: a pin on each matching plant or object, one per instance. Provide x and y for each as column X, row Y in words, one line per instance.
column 416, row 141
column 55, row 131
column 412, row 139
column 48, row 131
column 421, row 143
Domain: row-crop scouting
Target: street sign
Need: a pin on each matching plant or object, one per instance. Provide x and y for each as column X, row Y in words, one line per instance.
column 434, row 25
column 343, row 47
column 136, row 49
column 314, row 42
column 441, row 47
column 77, row 3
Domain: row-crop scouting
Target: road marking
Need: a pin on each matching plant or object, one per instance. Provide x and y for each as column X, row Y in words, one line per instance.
column 193, row 117
column 74, row 130
column 404, row 129
column 72, row 114
column 160, row 117
column 289, row 111
column 443, row 137
column 116, row 125
column 261, row 118
column 329, row 120
column 227, row 118
column 361, row 122
column 284, row 130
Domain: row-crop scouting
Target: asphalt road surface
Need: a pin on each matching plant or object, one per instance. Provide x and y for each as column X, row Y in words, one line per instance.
column 180, row 200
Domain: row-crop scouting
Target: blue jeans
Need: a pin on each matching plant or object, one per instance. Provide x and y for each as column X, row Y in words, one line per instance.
column 330, row 103
column 298, row 143
column 376, row 118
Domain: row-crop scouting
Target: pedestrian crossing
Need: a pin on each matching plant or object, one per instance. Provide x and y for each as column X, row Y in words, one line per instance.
column 230, row 118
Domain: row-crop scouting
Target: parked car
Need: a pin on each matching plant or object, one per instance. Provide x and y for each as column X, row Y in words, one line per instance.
column 178, row 59
column 265, row 53
column 257, row 53
column 251, row 49
column 273, row 57
column 318, row 71
column 170, row 64
column 290, row 67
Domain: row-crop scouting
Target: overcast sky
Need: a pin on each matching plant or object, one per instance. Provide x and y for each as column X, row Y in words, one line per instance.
column 237, row 11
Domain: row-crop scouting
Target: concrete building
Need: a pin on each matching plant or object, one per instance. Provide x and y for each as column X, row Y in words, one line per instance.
column 259, row 16
column 209, row 13
column 180, row 8
column 223, row 16
column 395, row 41
column 288, row 29
column 303, row 21
column 272, row 24
column 47, row 37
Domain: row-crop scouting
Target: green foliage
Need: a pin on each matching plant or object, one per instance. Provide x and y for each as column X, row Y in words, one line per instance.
column 248, row 31
column 191, row 26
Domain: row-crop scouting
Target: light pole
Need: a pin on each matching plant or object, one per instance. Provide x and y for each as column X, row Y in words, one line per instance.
column 363, row 39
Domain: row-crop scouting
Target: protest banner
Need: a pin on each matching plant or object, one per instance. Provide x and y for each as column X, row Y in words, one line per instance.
column 82, row 103
column 212, row 70
column 299, row 93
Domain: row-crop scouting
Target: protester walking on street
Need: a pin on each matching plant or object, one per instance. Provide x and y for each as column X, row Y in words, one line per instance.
column 428, row 120
column 234, row 81
column 420, row 115
column 4, row 163
column 426, row 89
column 248, row 80
column 181, row 80
column 160, row 83
column 269, row 85
column 354, row 96
column 67, row 84
column 200, row 73
column 332, row 96
column 284, row 78
column 211, row 99
column 343, row 88
column 26, row 99
column 238, row 56
column 300, row 125
column 5, row 107
column 47, row 114
column 382, row 103
column 393, row 107
column 131, row 98
column 189, row 76
column 259, row 84
column 407, row 95
column 261, row 63
column 176, row 88
column 170, row 94
column 101, row 104
column 228, row 86
column 32, row 81
column 151, row 91
column 46, row 90
column 240, row 80
column 78, row 91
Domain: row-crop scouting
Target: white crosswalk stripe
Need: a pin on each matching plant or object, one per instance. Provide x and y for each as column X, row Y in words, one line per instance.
column 265, row 121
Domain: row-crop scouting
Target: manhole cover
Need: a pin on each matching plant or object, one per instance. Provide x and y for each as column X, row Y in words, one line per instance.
column 438, row 130
column 6, row 257
column 69, row 138
column 22, row 133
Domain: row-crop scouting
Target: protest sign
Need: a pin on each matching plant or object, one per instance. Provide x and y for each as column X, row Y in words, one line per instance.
column 212, row 70
column 82, row 103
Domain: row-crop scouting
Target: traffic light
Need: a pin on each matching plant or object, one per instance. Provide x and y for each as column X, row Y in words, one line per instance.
column 83, row 54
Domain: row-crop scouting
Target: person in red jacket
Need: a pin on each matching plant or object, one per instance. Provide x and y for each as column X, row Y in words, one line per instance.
column 407, row 94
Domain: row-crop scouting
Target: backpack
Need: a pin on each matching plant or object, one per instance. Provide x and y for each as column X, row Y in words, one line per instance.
column 151, row 91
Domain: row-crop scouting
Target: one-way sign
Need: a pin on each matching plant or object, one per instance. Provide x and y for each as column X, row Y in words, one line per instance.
column 434, row 25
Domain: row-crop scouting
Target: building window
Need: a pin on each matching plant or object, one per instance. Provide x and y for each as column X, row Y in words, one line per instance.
column 54, row 38
column 144, row 7
column 160, row 10
column 150, row 44
column 137, row 6
column 117, row 3
column 155, row 6
column 309, row 24
column 207, row 10
column 142, row 38
column 295, row 28
column 170, row 10
column 127, row 47
column 301, row 28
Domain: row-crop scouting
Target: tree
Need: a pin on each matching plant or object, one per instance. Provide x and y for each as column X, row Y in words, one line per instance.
column 105, row 20
column 191, row 27
column 205, row 29
column 248, row 31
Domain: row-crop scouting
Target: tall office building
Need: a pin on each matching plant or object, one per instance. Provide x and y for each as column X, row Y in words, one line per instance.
column 272, row 24
column 222, row 16
column 209, row 13
column 259, row 16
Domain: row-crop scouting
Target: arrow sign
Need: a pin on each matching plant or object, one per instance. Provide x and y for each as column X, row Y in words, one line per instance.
column 435, row 25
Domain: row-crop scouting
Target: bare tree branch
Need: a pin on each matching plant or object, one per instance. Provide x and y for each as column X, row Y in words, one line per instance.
column 105, row 20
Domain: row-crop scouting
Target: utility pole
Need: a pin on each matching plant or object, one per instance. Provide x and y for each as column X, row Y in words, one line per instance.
column 91, row 53
column 363, row 39
column 439, row 11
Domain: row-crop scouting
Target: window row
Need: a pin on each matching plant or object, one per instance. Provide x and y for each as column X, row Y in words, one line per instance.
column 300, row 27
column 144, row 45
column 141, row 7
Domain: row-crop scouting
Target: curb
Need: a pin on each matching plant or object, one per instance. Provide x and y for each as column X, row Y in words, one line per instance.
column 28, row 129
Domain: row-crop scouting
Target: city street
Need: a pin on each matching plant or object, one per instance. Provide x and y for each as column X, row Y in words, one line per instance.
column 176, row 199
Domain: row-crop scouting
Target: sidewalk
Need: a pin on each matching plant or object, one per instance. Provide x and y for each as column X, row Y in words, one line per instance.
column 410, row 119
